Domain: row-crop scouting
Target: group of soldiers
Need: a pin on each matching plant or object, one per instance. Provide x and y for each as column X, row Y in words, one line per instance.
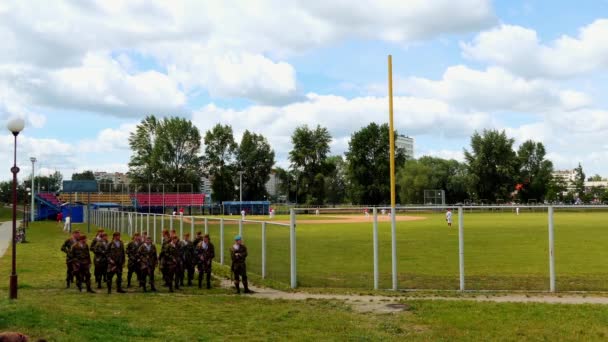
column 177, row 260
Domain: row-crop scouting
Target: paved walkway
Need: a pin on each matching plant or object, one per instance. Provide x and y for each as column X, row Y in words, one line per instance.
column 5, row 236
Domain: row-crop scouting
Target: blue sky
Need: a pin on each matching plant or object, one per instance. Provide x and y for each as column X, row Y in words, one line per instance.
column 84, row 75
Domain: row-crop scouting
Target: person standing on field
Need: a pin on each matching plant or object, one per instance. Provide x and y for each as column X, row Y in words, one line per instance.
column 116, row 261
column 59, row 219
column 68, row 223
column 448, row 217
column 132, row 267
column 100, row 252
column 238, row 253
column 148, row 259
column 81, row 263
column 205, row 252
column 67, row 249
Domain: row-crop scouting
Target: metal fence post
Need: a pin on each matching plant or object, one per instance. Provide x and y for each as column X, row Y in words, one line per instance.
column 292, row 249
column 192, row 227
column 141, row 226
column 551, row 252
column 134, row 223
column 263, row 250
column 206, row 226
column 147, row 224
column 461, row 246
column 181, row 226
column 375, row 234
column 162, row 222
column 222, row 241
column 394, row 247
column 171, row 222
column 154, row 217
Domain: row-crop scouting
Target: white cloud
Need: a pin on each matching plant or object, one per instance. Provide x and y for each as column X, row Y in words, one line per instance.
column 109, row 140
column 494, row 89
column 99, row 84
column 443, row 153
column 519, row 49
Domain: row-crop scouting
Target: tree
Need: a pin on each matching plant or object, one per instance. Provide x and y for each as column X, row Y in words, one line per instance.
column 85, row 175
column 308, row 156
column 255, row 159
column 492, row 165
column 220, row 154
column 335, row 180
column 287, row 183
column 579, row 180
column 50, row 183
column 556, row 190
column 166, row 152
column 368, row 158
column 596, row 178
column 413, row 179
column 535, row 171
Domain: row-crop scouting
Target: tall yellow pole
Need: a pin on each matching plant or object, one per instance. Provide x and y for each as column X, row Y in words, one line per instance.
column 391, row 135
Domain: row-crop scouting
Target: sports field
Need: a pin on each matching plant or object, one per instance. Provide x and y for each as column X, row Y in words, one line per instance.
column 46, row 310
column 503, row 251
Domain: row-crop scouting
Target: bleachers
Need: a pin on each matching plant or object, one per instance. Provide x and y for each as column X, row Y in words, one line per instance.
column 140, row 199
column 169, row 200
column 50, row 197
column 122, row 199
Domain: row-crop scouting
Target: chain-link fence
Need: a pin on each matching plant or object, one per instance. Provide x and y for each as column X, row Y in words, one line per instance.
column 528, row 248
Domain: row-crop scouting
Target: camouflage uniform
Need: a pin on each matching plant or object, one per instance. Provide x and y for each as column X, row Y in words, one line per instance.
column 239, row 267
column 66, row 248
column 204, row 258
column 132, row 266
column 100, row 261
column 188, row 261
column 116, row 261
column 81, row 264
column 161, row 258
column 170, row 263
column 147, row 263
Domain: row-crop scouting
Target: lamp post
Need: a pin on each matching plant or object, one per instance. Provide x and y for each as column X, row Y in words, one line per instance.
column 241, row 185
column 15, row 125
column 33, row 160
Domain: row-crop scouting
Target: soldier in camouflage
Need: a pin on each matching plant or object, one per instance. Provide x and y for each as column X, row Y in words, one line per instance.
column 187, row 259
column 170, row 263
column 205, row 252
column 66, row 248
column 132, row 266
column 100, row 260
column 238, row 253
column 81, row 263
column 116, row 262
column 161, row 256
column 147, row 259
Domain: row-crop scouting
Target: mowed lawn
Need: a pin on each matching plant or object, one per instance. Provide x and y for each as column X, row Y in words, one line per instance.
column 502, row 251
column 46, row 310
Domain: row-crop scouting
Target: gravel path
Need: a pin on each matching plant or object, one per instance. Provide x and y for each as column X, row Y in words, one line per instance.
column 5, row 236
column 385, row 304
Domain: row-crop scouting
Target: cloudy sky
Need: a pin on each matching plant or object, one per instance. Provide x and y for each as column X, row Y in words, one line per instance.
column 84, row 73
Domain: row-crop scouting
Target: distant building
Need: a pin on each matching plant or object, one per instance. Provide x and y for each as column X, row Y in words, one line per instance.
column 568, row 177
column 407, row 144
column 115, row 177
column 206, row 185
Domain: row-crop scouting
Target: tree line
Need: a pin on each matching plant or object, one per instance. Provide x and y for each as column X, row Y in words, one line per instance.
column 172, row 151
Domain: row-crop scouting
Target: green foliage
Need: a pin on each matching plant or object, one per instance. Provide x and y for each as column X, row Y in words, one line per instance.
column 85, row 175
column 492, row 165
column 165, row 151
column 429, row 173
column 255, row 159
column 220, row 154
column 308, row 162
column 368, row 159
column 535, row 171
column 335, row 181
column 579, row 180
column 596, row 178
column 556, row 189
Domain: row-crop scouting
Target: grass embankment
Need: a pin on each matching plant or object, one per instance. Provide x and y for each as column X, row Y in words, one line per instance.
column 46, row 310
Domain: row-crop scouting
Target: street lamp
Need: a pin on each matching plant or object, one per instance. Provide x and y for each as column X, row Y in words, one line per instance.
column 241, row 185
column 33, row 160
column 15, row 125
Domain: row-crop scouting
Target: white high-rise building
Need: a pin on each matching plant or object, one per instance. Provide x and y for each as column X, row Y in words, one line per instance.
column 272, row 186
column 407, row 144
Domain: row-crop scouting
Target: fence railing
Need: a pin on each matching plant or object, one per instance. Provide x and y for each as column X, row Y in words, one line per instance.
column 488, row 248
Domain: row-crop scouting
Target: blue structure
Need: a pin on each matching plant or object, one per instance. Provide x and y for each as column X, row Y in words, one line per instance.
column 45, row 209
column 76, row 210
column 250, row 207
column 105, row 206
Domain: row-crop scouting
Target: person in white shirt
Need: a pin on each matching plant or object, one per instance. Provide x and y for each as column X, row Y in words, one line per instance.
column 243, row 214
column 517, row 211
column 448, row 217
column 68, row 223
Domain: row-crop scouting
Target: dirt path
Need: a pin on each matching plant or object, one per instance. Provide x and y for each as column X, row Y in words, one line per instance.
column 385, row 304
column 5, row 236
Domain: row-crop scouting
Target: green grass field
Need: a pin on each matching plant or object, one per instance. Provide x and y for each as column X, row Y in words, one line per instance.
column 46, row 310
column 502, row 251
